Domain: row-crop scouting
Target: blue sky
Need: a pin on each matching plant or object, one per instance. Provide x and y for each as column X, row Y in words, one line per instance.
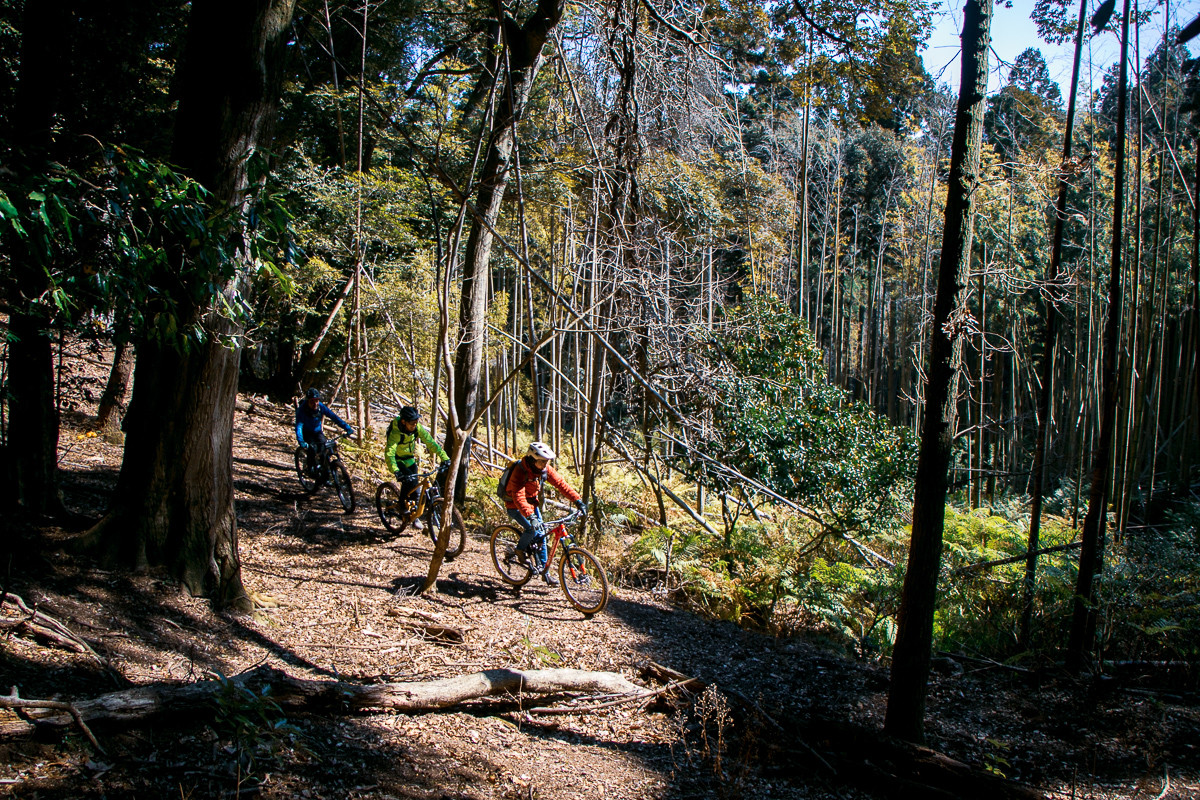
column 1013, row 31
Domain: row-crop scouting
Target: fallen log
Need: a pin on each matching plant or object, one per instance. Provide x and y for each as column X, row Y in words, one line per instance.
column 299, row 694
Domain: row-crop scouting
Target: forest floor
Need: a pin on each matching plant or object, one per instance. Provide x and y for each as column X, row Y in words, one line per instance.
column 340, row 581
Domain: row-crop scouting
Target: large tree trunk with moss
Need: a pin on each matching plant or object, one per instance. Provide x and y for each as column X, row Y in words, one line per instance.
column 524, row 45
column 910, row 660
column 173, row 507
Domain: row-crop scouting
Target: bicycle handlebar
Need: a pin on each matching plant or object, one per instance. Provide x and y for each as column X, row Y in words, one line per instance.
column 569, row 519
column 431, row 473
column 328, row 439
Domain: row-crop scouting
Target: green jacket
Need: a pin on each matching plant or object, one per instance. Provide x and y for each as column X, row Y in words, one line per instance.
column 402, row 446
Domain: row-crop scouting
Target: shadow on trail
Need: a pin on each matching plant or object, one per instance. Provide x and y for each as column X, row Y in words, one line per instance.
column 293, row 755
column 271, row 465
column 534, row 600
column 453, row 585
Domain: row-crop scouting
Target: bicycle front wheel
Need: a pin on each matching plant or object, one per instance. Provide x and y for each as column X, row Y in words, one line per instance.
column 513, row 569
column 306, row 481
column 582, row 580
column 392, row 512
column 341, row 484
column 458, row 531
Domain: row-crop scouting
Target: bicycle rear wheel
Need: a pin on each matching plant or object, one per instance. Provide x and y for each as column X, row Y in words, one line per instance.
column 582, row 580
column 506, row 558
column 392, row 510
column 340, row 478
column 306, row 481
column 458, row 531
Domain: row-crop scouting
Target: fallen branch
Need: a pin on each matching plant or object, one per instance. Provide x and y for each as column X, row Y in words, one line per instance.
column 298, row 694
column 42, row 624
column 986, row 662
column 14, row 701
column 428, row 624
column 640, row 697
column 982, row 565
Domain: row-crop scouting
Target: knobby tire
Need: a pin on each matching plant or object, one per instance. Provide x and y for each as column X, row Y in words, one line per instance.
column 458, row 530
column 582, row 580
column 503, row 545
column 306, row 481
column 342, row 484
column 392, row 511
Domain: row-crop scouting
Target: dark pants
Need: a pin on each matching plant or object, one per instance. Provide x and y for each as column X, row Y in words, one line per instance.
column 406, row 474
column 316, row 447
column 529, row 534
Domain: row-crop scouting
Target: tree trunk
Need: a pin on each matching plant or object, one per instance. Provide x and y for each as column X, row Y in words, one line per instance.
column 1044, row 403
column 113, row 399
column 1091, row 555
column 910, row 661
column 524, row 49
column 33, row 418
column 173, row 505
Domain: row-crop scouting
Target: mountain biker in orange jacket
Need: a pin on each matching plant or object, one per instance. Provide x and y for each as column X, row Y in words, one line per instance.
column 524, row 502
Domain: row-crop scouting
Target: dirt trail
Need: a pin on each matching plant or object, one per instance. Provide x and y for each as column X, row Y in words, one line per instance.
column 336, row 577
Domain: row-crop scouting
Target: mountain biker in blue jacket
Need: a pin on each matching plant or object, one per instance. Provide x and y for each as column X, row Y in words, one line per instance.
column 309, row 414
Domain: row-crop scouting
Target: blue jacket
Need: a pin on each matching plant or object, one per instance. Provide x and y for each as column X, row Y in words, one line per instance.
column 309, row 421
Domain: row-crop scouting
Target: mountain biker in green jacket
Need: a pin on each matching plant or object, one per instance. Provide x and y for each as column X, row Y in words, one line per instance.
column 401, row 450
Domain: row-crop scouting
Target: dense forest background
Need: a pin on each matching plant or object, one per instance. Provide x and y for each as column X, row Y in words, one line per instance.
column 694, row 247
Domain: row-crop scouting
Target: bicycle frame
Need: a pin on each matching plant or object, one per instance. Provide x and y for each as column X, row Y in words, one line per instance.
column 426, row 491
column 329, row 450
column 560, row 533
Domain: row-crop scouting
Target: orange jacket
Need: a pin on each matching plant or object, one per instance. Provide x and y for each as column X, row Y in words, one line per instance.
column 524, row 485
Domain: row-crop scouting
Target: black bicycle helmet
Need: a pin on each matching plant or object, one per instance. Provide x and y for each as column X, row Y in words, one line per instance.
column 313, row 394
column 409, row 414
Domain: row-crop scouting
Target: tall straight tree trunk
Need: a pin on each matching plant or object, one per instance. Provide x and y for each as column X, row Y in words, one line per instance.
column 524, row 45
column 910, row 660
column 1044, row 402
column 113, row 398
column 173, row 505
column 33, row 422
column 802, row 223
column 1091, row 553
column 1194, row 348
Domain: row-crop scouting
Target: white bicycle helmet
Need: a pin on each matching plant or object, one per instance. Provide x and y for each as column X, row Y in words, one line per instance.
column 540, row 450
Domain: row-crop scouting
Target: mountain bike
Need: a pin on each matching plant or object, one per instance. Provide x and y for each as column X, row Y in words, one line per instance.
column 328, row 468
column 579, row 572
column 397, row 513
